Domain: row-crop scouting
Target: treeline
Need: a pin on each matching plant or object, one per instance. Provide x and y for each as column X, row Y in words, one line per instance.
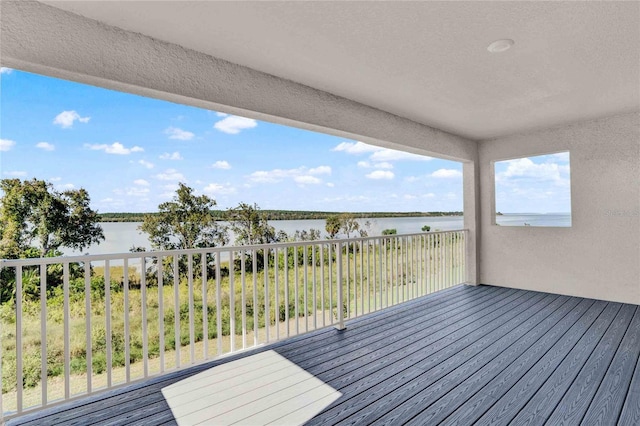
column 282, row 215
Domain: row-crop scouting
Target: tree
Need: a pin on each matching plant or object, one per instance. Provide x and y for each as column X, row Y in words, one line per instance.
column 250, row 225
column 333, row 225
column 185, row 222
column 32, row 211
column 349, row 224
column 304, row 235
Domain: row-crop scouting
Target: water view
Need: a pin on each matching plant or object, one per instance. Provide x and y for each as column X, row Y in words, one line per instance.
column 121, row 236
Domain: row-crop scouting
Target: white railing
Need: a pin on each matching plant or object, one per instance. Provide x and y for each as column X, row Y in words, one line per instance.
column 83, row 323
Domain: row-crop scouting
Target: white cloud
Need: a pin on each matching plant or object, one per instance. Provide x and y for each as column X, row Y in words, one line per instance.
column 173, row 156
column 330, row 184
column 141, row 182
column 6, row 144
column 409, row 197
column 222, row 114
column 222, row 165
column 176, row 133
column 146, row 164
column 320, row 170
column 219, row 188
column 66, row 119
column 45, row 146
column 234, row 124
column 171, row 174
column 355, row 147
column 65, row 186
column 526, row 168
column 446, row 173
column 16, row 173
column 380, row 174
column 377, row 154
column 5, row 70
column 307, row 179
column 300, row 175
column 115, row 148
column 55, row 179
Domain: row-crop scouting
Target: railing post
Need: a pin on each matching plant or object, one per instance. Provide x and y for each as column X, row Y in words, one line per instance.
column 340, row 302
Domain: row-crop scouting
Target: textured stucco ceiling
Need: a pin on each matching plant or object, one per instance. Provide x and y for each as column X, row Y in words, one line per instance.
column 426, row 61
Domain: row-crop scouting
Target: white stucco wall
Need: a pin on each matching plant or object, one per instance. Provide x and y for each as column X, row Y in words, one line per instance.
column 599, row 256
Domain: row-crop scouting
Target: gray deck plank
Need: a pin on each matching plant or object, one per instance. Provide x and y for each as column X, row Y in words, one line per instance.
column 466, row 390
column 575, row 403
column 550, row 394
column 406, row 334
column 502, row 398
column 417, row 344
column 368, row 376
column 631, row 410
column 608, row 401
column 520, row 352
column 381, row 391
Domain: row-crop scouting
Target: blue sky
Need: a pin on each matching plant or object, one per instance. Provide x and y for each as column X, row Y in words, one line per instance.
column 539, row 184
column 130, row 152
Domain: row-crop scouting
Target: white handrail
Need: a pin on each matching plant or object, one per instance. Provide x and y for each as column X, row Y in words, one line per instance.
column 109, row 320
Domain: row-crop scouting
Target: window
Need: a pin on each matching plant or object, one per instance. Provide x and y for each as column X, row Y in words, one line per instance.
column 533, row 191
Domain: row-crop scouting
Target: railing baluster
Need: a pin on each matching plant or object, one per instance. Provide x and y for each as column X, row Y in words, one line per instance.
column 286, row 288
column 348, row 281
column 314, row 287
column 176, row 308
column 330, row 282
column 295, row 289
column 160, row 272
column 192, row 331
column 107, row 315
column 127, row 337
column 205, row 306
column 305, row 284
column 361, row 279
column 218, row 304
column 87, row 310
column 267, row 308
column 244, row 298
column 324, row 322
column 254, row 258
column 67, row 337
column 43, row 331
column 145, row 328
column 340, row 296
column 19, row 348
column 232, row 302
column 276, row 292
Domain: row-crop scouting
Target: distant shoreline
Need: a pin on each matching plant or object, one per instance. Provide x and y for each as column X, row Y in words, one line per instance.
column 285, row 215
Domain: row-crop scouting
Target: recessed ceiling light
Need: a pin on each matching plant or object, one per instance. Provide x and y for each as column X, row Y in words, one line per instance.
column 500, row 45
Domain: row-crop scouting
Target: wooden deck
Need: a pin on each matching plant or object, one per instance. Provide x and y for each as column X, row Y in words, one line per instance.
column 467, row 355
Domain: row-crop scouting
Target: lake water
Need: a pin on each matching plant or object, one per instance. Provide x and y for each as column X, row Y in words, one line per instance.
column 121, row 236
